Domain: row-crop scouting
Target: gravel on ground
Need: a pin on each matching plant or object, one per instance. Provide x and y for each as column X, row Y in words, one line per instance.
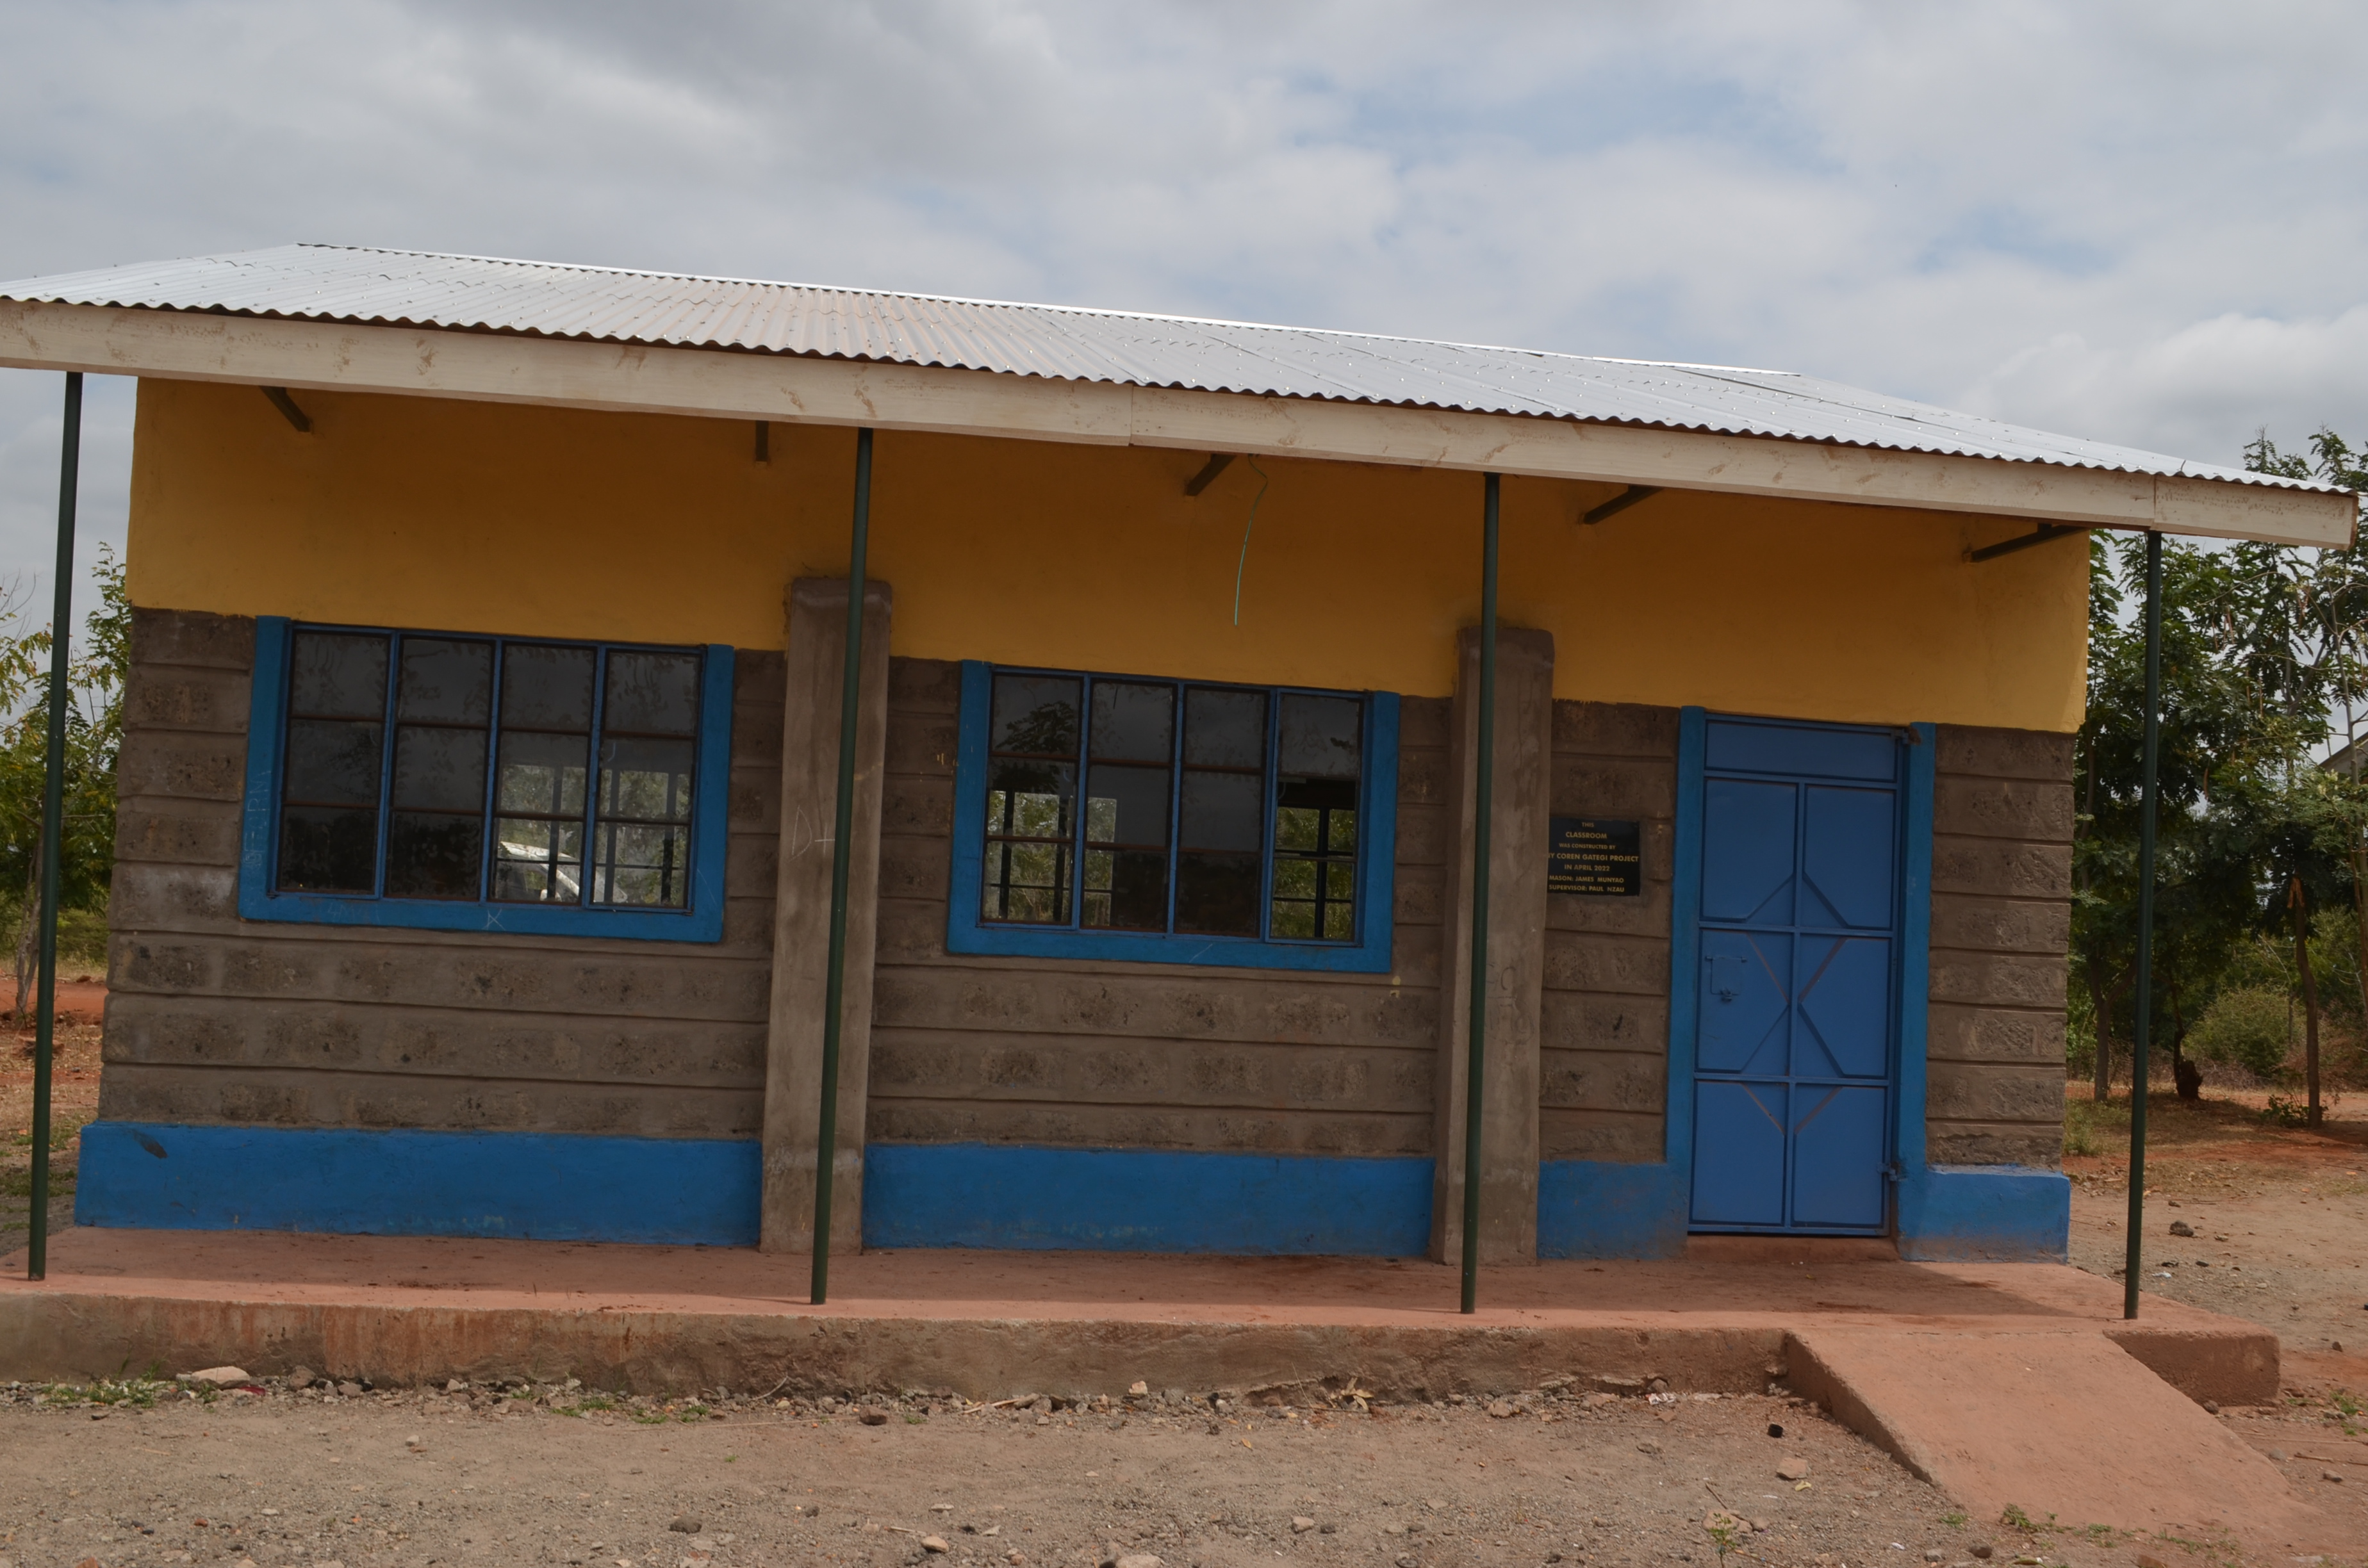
column 153, row 1472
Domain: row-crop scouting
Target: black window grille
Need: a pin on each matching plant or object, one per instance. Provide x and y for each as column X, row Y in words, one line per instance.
column 508, row 757
column 1206, row 810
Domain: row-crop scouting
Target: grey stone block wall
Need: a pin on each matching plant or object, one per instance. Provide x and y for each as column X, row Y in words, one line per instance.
column 2001, row 924
column 215, row 1019
column 1606, row 1015
column 1083, row 1054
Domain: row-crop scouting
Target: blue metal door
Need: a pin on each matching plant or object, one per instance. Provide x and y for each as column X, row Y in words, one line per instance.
column 1799, row 938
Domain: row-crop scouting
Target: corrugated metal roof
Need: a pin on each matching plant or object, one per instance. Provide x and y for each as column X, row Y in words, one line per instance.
column 338, row 283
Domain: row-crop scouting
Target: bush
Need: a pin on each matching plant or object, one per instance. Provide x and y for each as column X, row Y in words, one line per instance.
column 2088, row 1125
column 2247, row 1028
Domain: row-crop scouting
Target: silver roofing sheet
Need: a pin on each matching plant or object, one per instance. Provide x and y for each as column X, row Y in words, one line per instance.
column 339, row 283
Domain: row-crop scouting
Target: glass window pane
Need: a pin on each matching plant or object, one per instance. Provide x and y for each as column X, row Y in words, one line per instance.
column 1027, row 882
column 1126, row 889
column 1320, row 736
column 650, row 694
column 537, row 861
column 1315, row 859
column 1134, row 723
column 1030, row 800
column 443, row 769
column 1221, row 811
column 1126, row 805
column 642, row 867
column 543, row 773
column 545, row 688
column 645, row 780
column 1035, row 715
column 434, row 854
column 1294, row 879
column 1340, row 832
column 447, row 681
column 337, row 674
column 1225, row 727
column 332, row 763
column 323, row 850
column 1217, row 894
column 1295, row 827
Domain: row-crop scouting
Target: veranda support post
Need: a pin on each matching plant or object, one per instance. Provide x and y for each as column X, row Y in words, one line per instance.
column 53, row 823
column 841, row 845
column 1482, row 783
column 2141, row 1034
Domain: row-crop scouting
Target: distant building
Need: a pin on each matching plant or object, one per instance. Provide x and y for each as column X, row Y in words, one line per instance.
column 477, row 794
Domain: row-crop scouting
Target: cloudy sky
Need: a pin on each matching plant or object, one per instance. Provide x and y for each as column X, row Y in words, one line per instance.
column 2141, row 222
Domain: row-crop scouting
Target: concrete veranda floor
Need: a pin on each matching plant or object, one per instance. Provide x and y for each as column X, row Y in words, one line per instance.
column 1724, row 1285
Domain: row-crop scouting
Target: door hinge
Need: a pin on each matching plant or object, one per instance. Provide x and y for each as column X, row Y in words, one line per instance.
column 1895, row 1171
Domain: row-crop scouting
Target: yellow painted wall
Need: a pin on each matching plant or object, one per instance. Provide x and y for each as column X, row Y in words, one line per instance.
column 548, row 522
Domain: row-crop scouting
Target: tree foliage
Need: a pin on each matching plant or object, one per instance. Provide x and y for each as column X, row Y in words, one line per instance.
column 94, row 685
column 2264, row 657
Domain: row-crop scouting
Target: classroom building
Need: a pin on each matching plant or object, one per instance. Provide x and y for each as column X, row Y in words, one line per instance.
column 481, row 747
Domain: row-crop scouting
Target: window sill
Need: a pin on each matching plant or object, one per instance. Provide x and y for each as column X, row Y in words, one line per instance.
column 1127, row 947
column 505, row 919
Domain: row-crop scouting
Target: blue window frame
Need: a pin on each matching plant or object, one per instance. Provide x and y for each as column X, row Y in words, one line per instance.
column 1104, row 817
column 460, row 781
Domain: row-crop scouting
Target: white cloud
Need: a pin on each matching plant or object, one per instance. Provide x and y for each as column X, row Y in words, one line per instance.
column 2136, row 220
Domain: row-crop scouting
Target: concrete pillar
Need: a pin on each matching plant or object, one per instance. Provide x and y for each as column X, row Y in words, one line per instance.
column 1515, row 970
column 817, row 664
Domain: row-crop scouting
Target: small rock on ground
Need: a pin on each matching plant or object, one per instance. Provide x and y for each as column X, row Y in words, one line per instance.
column 1794, row 1469
column 934, row 1543
column 219, row 1377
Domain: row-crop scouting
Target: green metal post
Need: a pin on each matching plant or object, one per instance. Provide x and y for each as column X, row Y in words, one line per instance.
column 841, row 845
column 2141, row 1034
column 1483, row 787
column 53, row 824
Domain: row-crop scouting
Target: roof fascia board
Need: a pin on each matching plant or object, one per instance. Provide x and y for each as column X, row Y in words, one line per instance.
column 503, row 368
column 1750, row 465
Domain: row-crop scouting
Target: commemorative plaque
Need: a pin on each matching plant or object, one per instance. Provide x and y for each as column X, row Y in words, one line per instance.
column 1594, row 856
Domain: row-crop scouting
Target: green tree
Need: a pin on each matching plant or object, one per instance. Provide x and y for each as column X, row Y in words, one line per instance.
column 2212, row 735
column 2262, row 646
column 96, row 678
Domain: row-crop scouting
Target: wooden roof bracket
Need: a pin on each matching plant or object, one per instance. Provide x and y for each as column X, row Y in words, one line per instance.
column 2008, row 547
column 1621, row 502
column 1218, row 463
column 287, row 406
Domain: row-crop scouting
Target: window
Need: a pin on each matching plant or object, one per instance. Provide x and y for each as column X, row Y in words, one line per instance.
column 1175, row 821
column 497, row 783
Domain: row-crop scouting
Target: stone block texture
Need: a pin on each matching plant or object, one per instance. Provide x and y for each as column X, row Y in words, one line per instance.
column 1605, row 1021
column 1084, row 1055
column 2001, row 924
column 211, row 1019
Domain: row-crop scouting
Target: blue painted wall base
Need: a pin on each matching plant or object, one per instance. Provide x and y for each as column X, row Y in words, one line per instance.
column 2006, row 1213
column 984, row 1195
column 557, row 1186
column 704, row 1192
column 1597, row 1209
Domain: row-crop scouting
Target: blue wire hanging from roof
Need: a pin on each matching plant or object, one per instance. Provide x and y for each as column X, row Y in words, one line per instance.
column 1242, row 563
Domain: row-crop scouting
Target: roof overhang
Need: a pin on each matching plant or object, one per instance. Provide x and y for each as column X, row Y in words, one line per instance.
column 797, row 389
